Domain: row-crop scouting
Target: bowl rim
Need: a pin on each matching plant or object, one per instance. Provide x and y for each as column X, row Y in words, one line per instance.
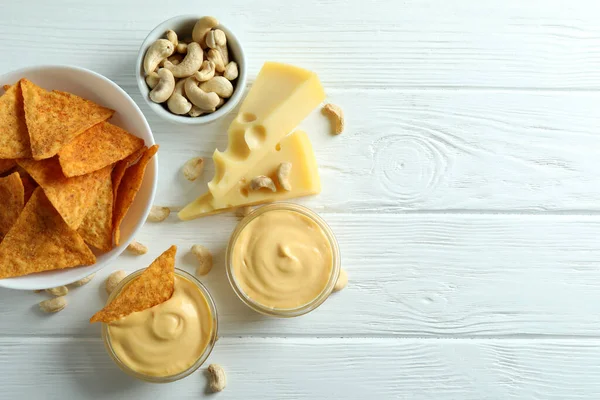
column 231, row 103
column 91, row 269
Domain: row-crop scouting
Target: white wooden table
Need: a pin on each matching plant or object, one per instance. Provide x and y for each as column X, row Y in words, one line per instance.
column 465, row 195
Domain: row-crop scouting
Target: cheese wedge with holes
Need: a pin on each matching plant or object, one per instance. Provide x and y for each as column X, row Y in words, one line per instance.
column 304, row 178
column 280, row 98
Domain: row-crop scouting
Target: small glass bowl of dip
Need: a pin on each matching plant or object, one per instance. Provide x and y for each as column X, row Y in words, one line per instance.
column 283, row 312
column 170, row 378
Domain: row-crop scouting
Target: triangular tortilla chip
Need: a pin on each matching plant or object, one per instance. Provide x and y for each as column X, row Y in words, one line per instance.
column 55, row 118
column 29, row 184
column 5, row 87
column 14, row 139
column 121, row 167
column 96, row 228
column 154, row 286
column 41, row 241
column 130, row 184
column 101, row 145
column 7, row 165
column 72, row 197
column 12, row 200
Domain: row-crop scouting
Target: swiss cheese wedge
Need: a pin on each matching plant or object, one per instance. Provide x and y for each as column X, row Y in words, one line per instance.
column 280, row 98
column 304, row 179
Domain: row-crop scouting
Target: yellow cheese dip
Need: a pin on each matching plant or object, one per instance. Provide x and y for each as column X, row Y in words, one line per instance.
column 282, row 259
column 166, row 339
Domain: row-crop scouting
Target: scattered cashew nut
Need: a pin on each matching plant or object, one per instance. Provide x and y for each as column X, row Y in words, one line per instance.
column 283, row 175
column 341, row 282
column 215, row 56
column 202, row 27
column 83, row 281
column 158, row 214
column 205, row 101
column 262, row 182
column 58, row 291
column 165, row 87
column 53, row 305
column 205, row 260
column 218, row 379
column 114, row 279
column 231, row 71
column 172, row 37
column 206, row 72
column 336, row 116
column 137, row 248
column 193, row 168
column 178, row 103
column 219, row 85
column 190, row 64
column 157, row 52
column 152, row 80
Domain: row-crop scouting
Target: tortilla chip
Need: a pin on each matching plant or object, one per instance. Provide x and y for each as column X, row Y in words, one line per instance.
column 11, row 201
column 7, row 165
column 14, row 139
column 154, row 286
column 72, row 197
column 56, row 118
column 128, row 188
column 121, row 167
column 101, row 145
column 96, row 227
column 41, row 241
column 6, row 87
column 29, row 184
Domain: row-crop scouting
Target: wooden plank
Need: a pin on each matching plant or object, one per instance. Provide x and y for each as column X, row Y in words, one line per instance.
column 428, row 150
column 392, row 44
column 410, row 275
column 320, row 369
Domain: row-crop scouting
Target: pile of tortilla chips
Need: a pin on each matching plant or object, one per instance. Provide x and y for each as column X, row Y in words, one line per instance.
column 67, row 179
column 154, row 286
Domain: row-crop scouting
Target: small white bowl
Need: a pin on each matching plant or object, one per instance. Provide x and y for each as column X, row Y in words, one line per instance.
column 183, row 26
column 101, row 90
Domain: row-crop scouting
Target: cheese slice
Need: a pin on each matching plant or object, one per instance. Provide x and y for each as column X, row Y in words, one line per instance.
column 304, row 178
column 280, row 98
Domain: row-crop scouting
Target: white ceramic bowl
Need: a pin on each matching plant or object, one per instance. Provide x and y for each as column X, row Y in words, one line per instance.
column 183, row 26
column 101, row 90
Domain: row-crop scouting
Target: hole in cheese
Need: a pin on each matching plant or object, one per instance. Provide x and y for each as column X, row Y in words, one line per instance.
column 255, row 136
column 238, row 148
column 247, row 117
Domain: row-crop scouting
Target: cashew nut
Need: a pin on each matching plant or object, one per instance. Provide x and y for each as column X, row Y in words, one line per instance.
column 221, row 102
column 190, row 64
column 202, row 27
column 215, row 56
column 53, row 305
column 243, row 211
column 175, row 59
column 262, row 182
column 172, row 37
column 193, row 168
column 137, row 248
column 231, row 71
column 215, row 38
column 58, row 291
column 157, row 52
column 196, row 112
column 207, row 71
column 177, row 103
column 83, row 281
column 283, row 175
column 336, row 116
column 219, row 85
column 182, row 48
column 218, row 379
column 165, row 87
column 152, row 80
column 205, row 259
column 158, row 214
column 113, row 280
column 205, row 101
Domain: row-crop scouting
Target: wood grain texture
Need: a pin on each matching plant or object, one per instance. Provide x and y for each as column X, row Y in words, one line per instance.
column 410, row 275
column 320, row 369
column 366, row 44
